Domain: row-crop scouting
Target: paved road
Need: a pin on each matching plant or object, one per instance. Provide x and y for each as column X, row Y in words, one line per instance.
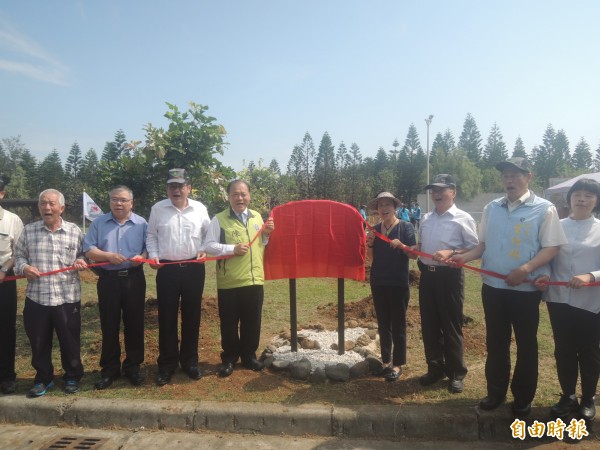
column 31, row 437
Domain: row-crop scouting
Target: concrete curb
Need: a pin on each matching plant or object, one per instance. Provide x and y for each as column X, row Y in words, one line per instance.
column 356, row 422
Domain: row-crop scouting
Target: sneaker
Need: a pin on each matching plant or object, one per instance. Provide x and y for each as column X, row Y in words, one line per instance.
column 565, row 406
column 39, row 389
column 71, row 387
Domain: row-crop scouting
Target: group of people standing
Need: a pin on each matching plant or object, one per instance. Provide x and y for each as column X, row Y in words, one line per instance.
column 521, row 237
column 176, row 239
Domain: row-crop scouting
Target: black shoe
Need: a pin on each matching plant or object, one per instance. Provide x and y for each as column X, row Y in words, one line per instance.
column 226, row 369
column 194, row 372
column 565, row 406
column 456, row 386
column 587, row 410
column 105, row 382
column 163, row 377
column 393, row 375
column 8, row 387
column 254, row 364
column 430, row 378
column 135, row 378
column 520, row 409
column 490, row 402
column 71, row 387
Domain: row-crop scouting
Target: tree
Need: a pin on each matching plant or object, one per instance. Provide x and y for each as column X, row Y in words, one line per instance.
column 50, row 173
column 467, row 175
column 74, row 162
column 519, row 150
column 470, row 140
column 89, row 169
column 411, row 164
column 597, row 160
column 325, row 169
column 582, row 156
column 495, row 149
column 274, row 166
column 549, row 158
column 112, row 150
column 192, row 141
column 442, row 144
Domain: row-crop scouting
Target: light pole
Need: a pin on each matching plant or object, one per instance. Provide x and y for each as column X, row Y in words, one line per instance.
column 428, row 122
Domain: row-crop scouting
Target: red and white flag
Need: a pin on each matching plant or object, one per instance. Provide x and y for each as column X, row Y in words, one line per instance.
column 91, row 210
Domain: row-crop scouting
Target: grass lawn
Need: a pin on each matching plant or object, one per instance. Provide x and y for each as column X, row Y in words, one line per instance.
column 317, row 300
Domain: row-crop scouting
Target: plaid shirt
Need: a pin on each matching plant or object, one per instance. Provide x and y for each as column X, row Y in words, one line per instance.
column 47, row 251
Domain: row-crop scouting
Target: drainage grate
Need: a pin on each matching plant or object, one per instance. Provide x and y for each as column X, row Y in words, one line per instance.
column 75, row 443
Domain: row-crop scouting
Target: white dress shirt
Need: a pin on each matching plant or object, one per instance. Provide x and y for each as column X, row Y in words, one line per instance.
column 451, row 230
column 176, row 235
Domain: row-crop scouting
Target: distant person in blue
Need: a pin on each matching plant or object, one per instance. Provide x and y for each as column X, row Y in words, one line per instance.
column 415, row 218
column 402, row 213
column 363, row 212
column 117, row 237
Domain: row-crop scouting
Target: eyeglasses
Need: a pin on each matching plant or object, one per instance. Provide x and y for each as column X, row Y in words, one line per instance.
column 175, row 186
column 120, row 200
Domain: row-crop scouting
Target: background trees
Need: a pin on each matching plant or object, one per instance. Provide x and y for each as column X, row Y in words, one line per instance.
column 194, row 140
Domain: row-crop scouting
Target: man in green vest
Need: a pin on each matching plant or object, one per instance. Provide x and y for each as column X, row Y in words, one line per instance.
column 240, row 279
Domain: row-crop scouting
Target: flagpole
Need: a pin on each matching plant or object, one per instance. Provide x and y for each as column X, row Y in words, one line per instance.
column 83, row 210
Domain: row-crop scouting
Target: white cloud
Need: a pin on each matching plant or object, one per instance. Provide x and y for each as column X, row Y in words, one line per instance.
column 28, row 58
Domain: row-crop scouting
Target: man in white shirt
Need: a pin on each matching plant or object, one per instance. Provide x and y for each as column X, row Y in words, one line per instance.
column 176, row 232
column 444, row 232
column 11, row 228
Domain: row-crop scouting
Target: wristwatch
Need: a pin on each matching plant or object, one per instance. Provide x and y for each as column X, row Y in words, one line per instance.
column 4, row 270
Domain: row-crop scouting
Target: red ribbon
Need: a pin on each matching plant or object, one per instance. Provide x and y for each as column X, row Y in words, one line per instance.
column 473, row 268
column 149, row 261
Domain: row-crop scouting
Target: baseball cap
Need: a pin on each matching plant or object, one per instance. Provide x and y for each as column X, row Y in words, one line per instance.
column 177, row 176
column 443, row 180
column 518, row 162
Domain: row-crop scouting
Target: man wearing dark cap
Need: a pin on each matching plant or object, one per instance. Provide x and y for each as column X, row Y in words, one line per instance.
column 176, row 232
column 518, row 236
column 11, row 228
column 444, row 232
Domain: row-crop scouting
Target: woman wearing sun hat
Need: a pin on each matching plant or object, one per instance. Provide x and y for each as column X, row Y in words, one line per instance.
column 389, row 282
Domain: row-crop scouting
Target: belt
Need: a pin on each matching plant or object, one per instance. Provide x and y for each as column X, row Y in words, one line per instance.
column 181, row 264
column 121, row 273
column 426, row 268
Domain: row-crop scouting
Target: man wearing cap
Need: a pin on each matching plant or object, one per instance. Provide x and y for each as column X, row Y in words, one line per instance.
column 176, row 232
column 117, row 237
column 443, row 232
column 11, row 228
column 519, row 235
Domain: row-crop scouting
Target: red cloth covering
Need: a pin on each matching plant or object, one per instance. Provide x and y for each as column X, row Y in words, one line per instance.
column 316, row 239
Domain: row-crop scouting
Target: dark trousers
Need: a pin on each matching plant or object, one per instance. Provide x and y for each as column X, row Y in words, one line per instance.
column 576, row 347
column 40, row 323
column 240, row 308
column 8, row 329
column 441, row 298
column 390, row 306
column 506, row 310
column 175, row 282
column 126, row 294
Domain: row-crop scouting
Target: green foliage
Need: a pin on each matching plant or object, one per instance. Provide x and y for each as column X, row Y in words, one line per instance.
column 325, row 170
column 192, row 141
column 470, row 140
column 468, row 176
column 582, row 156
column 495, row 149
column 411, row 164
column 519, row 150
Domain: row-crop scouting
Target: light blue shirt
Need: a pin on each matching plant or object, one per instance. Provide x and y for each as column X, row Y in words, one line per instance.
column 579, row 256
column 128, row 239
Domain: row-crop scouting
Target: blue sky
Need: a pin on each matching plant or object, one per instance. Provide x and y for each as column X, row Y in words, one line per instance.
column 271, row 70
